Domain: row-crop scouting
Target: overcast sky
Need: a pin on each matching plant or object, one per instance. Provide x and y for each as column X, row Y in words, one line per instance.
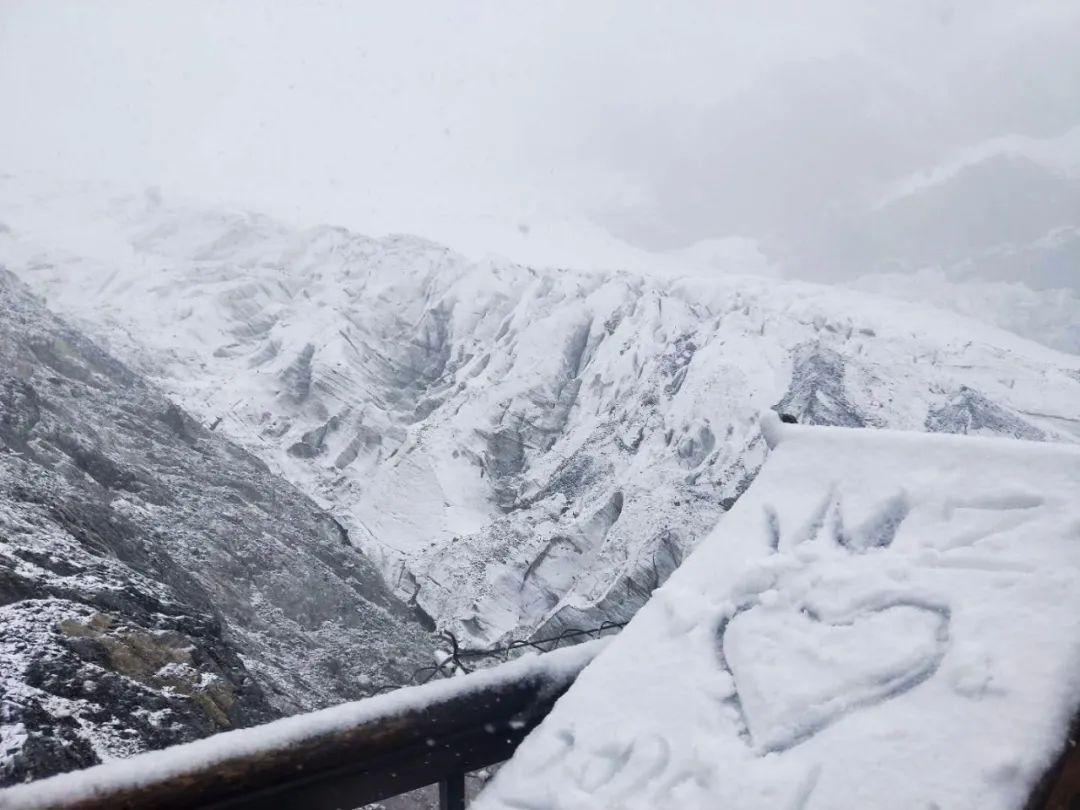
column 664, row 123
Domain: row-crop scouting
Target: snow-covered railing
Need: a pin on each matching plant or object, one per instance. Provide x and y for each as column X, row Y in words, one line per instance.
column 341, row 757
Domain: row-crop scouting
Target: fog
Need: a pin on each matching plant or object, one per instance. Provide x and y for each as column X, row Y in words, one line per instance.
column 843, row 137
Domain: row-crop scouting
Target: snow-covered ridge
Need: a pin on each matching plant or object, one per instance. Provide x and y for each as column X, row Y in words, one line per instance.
column 1048, row 316
column 999, row 215
column 514, row 446
column 1060, row 153
column 886, row 620
column 157, row 582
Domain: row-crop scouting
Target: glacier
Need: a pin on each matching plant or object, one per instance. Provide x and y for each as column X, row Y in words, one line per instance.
column 517, row 448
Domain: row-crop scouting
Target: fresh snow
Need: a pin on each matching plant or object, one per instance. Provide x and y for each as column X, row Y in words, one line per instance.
column 154, row 766
column 1051, row 317
column 517, row 448
column 885, row 620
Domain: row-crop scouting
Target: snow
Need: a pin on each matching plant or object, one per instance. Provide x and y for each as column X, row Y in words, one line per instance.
column 885, row 619
column 515, row 447
column 154, row 766
column 1051, row 317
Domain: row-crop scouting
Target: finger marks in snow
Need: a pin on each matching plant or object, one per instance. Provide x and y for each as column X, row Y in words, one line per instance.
column 978, row 519
column 772, row 525
column 992, row 526
column 879, row 529
column 731, row 700
column 691, row 773
column 967, row 562
column 806, row 789
column 841, row 666
column 812, row 528
column 999, row 502
column 528, row 803
column 604, row 765
column 564, row 740
column 651, row 759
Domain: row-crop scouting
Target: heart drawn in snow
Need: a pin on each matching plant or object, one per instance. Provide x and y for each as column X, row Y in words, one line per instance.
column 796, row 674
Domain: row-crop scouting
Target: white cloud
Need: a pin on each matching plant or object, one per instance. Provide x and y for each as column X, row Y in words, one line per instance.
column 667, row 123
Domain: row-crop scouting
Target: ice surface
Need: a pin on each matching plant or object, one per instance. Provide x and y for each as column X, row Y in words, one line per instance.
column 782, row 665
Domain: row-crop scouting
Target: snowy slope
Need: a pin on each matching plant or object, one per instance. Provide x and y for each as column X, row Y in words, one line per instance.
column 1048, row 316
column 157, row 582
column 513, row 446
column 884, row 620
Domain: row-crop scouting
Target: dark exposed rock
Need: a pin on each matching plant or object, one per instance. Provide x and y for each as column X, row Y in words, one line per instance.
column 631, row 591
column 158, row 584
column 816, row 395
column 537, row 422
column 312, row 443
column 297, row 377
column 601, row 521
column 179, row 423
column 968, row 411
column 365, row 439
column 695, row 446
column 503, row 461
column 429, row 353
column 676, row 362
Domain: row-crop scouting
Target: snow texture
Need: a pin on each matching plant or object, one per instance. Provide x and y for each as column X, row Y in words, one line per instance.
column 203, row 754
column 517, row 448
column 884, row 620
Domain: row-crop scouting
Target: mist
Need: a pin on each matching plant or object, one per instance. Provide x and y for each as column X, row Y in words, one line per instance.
column 839, row 138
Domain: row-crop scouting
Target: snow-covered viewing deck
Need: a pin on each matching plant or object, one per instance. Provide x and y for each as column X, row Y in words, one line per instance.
column 884, row 620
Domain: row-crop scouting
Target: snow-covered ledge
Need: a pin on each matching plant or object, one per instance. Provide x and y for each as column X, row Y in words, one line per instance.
column 884, row 620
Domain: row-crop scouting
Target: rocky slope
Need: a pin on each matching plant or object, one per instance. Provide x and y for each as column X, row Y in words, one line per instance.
column 517, row 448
column 158, row 583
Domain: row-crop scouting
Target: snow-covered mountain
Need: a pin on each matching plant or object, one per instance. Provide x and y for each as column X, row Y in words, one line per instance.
column 992, row 233
column 516, row 447
column 1002, row 211
column 157, row 582
column 1048, row 316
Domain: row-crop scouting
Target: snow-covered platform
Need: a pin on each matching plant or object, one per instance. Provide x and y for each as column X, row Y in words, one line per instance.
column 884, row 620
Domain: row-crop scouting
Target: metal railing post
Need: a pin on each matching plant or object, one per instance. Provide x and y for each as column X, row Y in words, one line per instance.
column 452, row 792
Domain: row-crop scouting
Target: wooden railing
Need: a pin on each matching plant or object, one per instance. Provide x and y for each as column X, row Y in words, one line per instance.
column 337, row 758
column 362, row 752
